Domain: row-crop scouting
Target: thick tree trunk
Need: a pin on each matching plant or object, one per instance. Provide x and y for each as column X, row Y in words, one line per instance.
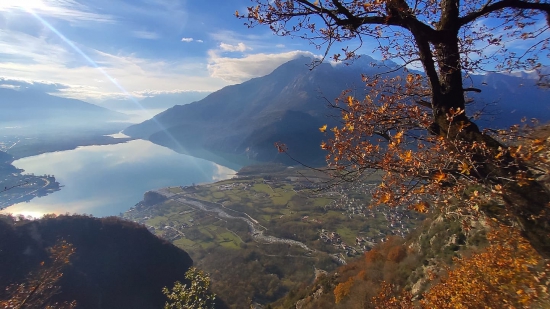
column 528, row 205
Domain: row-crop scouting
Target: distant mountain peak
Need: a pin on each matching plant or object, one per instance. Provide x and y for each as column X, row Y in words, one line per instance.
column 289, row 104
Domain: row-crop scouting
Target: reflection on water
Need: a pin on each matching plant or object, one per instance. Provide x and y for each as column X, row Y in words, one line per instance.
column 108, row 180
column 118, row 135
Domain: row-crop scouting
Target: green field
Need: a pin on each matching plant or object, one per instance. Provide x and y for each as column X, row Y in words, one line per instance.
column 286, row 209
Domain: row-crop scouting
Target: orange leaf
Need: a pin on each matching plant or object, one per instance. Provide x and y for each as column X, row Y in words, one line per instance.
column 440, row 176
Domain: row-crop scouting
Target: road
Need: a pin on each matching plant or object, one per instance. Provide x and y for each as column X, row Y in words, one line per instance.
column 254, row 226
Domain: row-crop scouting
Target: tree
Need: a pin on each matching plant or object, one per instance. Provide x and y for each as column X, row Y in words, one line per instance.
column 416, row 128
column 342, row 290
column 40, row 286
column 196, row 296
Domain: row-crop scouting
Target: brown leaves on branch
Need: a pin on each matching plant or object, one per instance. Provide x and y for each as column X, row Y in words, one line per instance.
column 421, row 170
column 383, row 132
column 40, row 285
column 397, row 26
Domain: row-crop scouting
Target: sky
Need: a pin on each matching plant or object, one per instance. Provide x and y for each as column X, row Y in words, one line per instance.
column 96, row 50
column 101, row 50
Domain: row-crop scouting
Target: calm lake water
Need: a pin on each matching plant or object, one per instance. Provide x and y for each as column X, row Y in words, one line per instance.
column 108, row 180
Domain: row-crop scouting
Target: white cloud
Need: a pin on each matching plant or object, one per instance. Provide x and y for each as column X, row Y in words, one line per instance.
column 29, row 58
column 147, row 35
column 15, row 87
column 69, row 10
column 236, row 70
column 189, row 40
column 157, row 92
column 234, row 48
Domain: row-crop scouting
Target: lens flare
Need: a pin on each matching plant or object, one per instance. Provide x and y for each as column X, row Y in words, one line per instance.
column 28, row 9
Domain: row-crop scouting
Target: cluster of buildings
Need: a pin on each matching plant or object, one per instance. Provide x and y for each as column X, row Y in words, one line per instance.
column 335, row 240
column 239, row 185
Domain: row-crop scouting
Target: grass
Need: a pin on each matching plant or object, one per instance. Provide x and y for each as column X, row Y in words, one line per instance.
column 185, row 243
column 321, row 202
column 156, row 221
column 261, row 187
column 175, row 190
column 218, row 195
column 228, row 240
column 282, row 197
column 347, row 235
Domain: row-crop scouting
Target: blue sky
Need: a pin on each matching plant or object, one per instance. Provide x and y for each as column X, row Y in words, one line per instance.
column 97, row 50
column 142, row 47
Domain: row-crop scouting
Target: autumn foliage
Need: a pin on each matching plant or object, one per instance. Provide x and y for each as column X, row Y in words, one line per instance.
column 418, row 131
column 342, row 290
column 416, row 127
column 40, row 285
column 508, row 274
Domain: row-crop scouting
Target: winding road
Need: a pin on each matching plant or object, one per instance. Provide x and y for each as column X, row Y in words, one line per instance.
column 257, row 233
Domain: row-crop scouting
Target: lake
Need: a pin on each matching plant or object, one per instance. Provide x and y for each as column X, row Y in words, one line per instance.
column 107, row 180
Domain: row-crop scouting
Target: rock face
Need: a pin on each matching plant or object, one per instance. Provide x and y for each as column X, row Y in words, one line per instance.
column 117, row 264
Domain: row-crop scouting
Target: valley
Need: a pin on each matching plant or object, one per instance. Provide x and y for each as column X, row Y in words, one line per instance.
column 275, row 227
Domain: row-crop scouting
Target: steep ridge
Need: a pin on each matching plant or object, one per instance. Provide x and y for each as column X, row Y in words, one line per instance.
column 247, row 119
column 289, row 105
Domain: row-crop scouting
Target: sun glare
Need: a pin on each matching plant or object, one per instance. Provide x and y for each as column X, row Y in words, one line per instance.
column 22, row 4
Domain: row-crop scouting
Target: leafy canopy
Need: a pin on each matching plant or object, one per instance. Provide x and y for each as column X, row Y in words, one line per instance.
column 416, row 127
column 195, row 296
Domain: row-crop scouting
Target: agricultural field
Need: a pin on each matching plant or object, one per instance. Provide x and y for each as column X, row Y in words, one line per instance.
column 273, row 230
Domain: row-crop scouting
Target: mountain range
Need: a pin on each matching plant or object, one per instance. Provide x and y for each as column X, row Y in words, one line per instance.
column 19, row 106
column 290, row 104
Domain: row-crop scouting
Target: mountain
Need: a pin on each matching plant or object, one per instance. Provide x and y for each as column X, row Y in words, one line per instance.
column 247, row 119
column 117, row 264
column 39, row 107
column 291, row 103
column 507, row 99
column 155, row 101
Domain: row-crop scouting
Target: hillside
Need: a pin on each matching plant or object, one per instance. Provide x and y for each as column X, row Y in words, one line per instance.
column 441, row 264
column 117, row 264
column 289, row 105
